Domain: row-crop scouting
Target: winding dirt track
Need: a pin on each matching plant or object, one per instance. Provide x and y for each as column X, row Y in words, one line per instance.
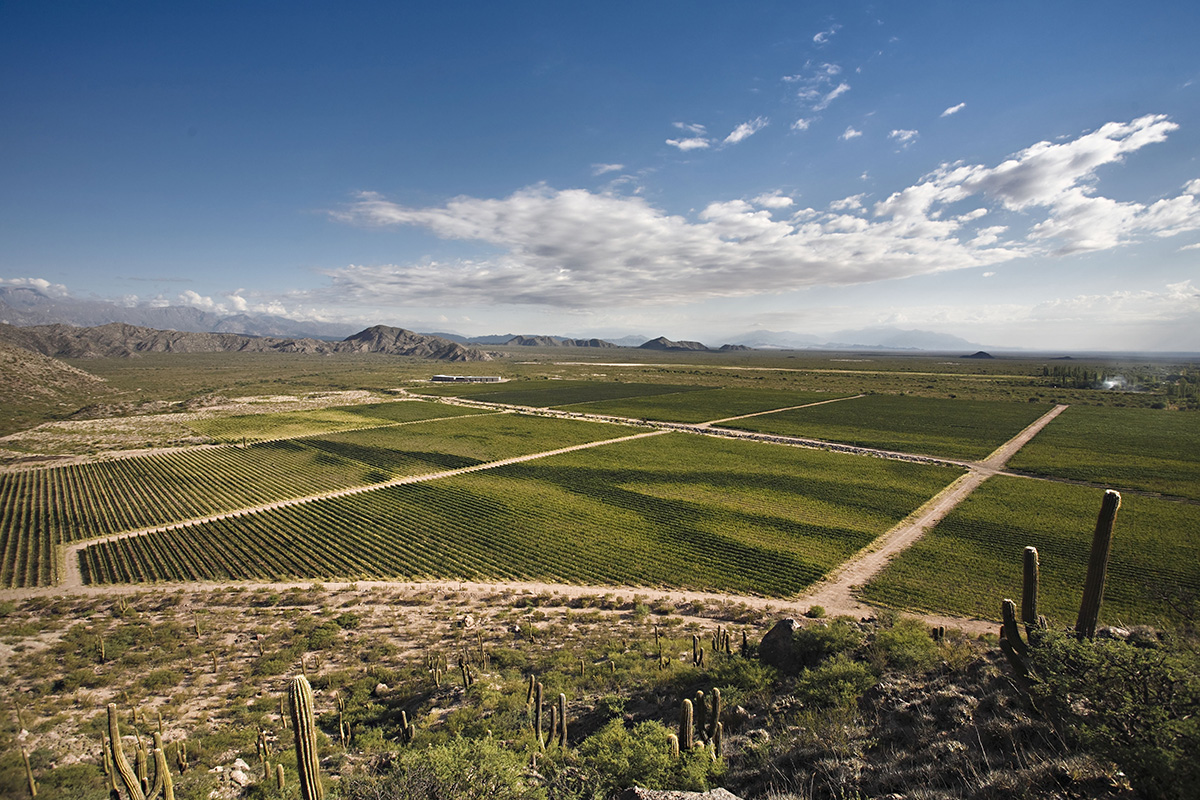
column 834, row 593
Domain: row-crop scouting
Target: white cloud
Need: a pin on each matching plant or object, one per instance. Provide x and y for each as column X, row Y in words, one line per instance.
column 850, row 133
column 801, row 124
column 691, row 127
column 775, row 199
column 1190, row 247
column 40, row 284
column 695, row 143
column 832, row 95
column 905, row 138
column 954, row 109
column 601, row 169
column 988, row 274
column 576, row 249
column 823, row 36
column 746, row 130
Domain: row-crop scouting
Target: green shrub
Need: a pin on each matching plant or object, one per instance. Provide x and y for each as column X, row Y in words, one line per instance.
column 1139, row 706
column 838, row 682
column 905, row 646
column 813, row 644
column 465, row 769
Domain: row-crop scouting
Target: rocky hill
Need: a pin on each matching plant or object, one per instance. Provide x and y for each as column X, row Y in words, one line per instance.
column 554, row 341
column 119, row 340
column 663, row 343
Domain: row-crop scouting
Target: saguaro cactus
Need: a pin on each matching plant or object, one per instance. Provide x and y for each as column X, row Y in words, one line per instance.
column 1029, row 589
column 1093, row 588
column 714, row 719
column 686, row 732
column 308, row 767
column 537, row 714
column 562, row 721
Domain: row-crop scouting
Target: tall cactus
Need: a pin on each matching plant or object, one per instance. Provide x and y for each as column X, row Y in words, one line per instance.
column 686, row 731
column 1093, row 588
column 537, row 714
column 1029, row 588
column 304, row 724
column 562, row 721
column 714, row 719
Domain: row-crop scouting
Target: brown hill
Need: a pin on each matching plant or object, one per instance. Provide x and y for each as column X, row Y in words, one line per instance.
column 663, row 343
column 119, row 340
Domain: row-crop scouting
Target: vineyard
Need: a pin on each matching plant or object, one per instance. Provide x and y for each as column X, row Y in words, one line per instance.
column 40, row 509
column 972, row 559
column 949, row 428
column 289, row 425
column 1136, row 448
column 550, row 394
column 673, row 510
column 702, row 406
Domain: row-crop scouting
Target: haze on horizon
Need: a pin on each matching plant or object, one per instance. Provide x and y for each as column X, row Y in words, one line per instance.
column 1023, row 177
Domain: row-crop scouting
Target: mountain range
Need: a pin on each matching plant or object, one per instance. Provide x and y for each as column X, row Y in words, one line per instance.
column 29, row 307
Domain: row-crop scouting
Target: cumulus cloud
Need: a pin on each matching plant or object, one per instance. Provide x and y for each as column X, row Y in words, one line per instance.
column 579, row 249
column 775, row 199
column 850, row 133
column 693, row 143
column 40, row 284
column 746, row 130
column 601, row 169
column 954, row 109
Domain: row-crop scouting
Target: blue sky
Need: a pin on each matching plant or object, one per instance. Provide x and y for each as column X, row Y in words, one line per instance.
column 1018, row 174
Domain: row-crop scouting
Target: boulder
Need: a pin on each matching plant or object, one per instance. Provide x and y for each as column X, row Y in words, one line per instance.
column 776, row 648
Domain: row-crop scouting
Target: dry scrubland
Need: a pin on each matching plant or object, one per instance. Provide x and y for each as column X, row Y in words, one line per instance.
column 252, row 468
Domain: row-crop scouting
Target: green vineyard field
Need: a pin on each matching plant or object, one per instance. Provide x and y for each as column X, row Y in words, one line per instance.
column 702, row 406
column 551, row 394
column 291, row 424
column 672, row 510
column 950, row 428
column 1135, row 448
column 972, row 559
column 40, row 509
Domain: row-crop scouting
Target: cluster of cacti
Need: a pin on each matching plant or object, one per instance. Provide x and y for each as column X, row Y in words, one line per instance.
column 263, row 748
column 136, row 783
column 304, row 726
column 181, row 757
column 721, row 641
column 408, row 730
column 938, row 632
column 1015, row 647
column 700, row 723
column 697, row 652
column 436, row 664
column 468, row 674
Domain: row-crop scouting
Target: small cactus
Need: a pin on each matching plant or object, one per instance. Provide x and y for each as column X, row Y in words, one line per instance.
column 537, row 706
column 1029, row 587
column 714, row 719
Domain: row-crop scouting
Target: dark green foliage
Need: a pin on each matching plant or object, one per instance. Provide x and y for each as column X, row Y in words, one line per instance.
column 1138, row 705
column 462, row 769
column 617, row 757
column 906, row 646
column 812, row 644
column 838, row 682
